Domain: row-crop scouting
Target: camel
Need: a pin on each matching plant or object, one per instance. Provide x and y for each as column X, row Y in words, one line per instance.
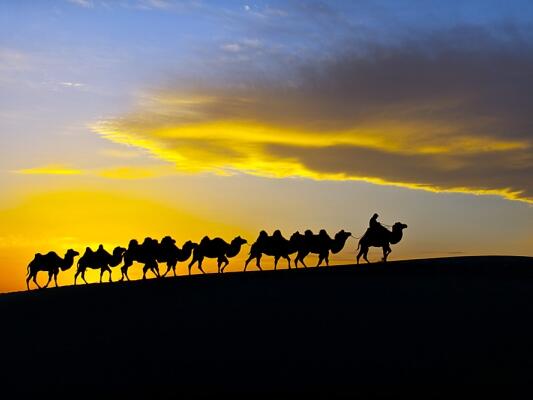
column 50, row 263
column 171, row 254
column 380, row 237
column 99, row 259
column 275, row 245
column 216, row 248
column 146, row 254
column 320, row 244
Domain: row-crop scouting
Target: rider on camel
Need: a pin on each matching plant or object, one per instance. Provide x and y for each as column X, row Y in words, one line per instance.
column 374, row 227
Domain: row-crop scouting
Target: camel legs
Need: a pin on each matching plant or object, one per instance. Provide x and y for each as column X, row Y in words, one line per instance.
column 50, row 273
column 386, row 251
column 200, row 265
column 55, row 278
column 300, row 257
column 225, row 261
column 248, row 262
column 199, row 260
column 170, row 265
column 257, row 261
column 83, row 276
column 365, row 255
column 276, row 259
column 30, row 276
column 152, row 266
column 35, row 280
column 102, row 273
column 288, row 261
column 76, row 276
column 196, row 259
column 363, row 252
column 124, row 269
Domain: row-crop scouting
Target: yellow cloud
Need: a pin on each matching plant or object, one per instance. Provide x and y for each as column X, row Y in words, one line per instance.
column 116, row 172
column 52, row 169
column 229, row 147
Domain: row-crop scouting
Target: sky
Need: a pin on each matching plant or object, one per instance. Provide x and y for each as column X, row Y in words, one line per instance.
column 133, row 118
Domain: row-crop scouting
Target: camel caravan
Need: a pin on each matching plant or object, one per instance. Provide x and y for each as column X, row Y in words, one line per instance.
column 150, row 253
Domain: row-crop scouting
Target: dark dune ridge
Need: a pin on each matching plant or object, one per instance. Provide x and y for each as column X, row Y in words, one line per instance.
column 345, row 330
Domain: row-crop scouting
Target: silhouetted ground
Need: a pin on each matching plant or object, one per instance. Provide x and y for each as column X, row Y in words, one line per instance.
column 368, row 331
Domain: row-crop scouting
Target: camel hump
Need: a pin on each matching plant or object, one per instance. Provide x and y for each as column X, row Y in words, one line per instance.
column 219, row 241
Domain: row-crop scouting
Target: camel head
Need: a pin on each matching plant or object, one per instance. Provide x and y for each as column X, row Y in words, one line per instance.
column 239, row 241
column 189, row 244
column 70, row 254
column 399, row 226
column 167, row 240
column 119, row 251
column 342, row 234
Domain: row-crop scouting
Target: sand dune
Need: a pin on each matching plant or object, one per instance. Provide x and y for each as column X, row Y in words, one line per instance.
column 368, row 329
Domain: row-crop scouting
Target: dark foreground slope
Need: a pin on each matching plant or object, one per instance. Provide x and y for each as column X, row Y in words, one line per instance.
column 337, row 330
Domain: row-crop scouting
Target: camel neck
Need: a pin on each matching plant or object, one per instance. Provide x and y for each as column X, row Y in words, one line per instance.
column 396, row 236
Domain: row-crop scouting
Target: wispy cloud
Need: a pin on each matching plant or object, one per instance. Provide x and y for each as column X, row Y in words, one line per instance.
column 72, row 84
column 82, row 3
column 123, row 172
column 52, row 169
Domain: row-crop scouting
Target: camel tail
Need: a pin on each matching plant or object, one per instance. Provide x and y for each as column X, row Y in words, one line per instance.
column 29, row 267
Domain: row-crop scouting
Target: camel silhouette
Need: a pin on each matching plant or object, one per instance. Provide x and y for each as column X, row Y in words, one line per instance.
column 99, row 259
column 276, row 246
column 320, row 244
column 171, row 254
column 216, row 248
column 146, row 254
column 380, row 237
column 50, row 263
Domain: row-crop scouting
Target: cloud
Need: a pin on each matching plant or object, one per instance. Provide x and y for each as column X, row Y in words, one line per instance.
column 52, row 169
column 122, row 172
column 231, row 47
column 72, row 84
column 82, row 3
column 447, row 113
